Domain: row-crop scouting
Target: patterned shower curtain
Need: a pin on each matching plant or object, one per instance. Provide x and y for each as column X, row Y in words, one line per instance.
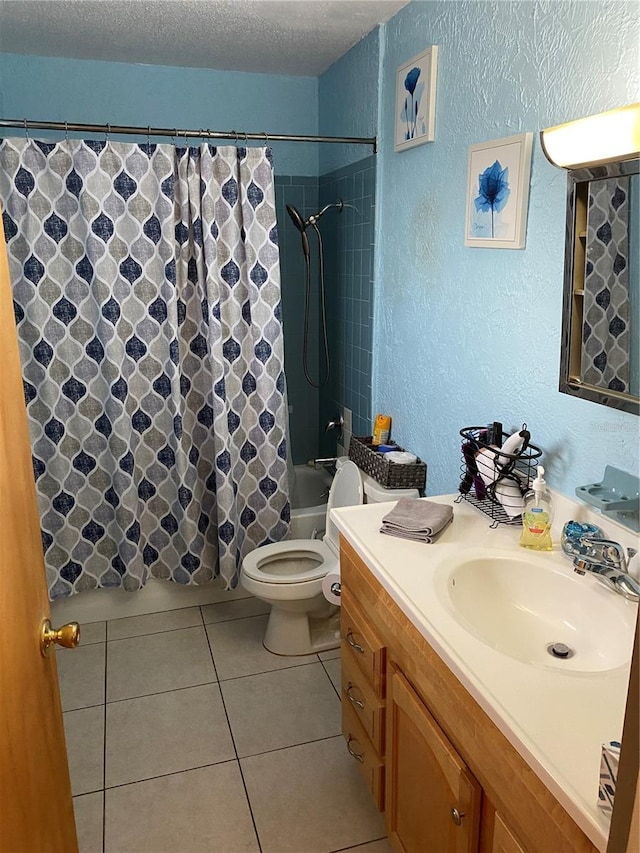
column 147, row 296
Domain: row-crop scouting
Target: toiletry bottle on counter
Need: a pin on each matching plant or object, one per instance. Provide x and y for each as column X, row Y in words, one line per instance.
column 537, row 516
column 381, row 430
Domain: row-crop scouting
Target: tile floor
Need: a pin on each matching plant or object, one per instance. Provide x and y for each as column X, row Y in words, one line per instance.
column 184, row 734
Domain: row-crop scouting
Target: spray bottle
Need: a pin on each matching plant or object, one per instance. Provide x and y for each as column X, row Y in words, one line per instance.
column 537, row 516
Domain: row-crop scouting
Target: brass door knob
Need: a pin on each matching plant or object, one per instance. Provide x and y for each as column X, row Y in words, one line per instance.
column 67, row 636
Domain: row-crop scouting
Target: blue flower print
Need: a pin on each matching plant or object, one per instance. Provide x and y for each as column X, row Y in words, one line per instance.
column 410, row 112
column 493, row 190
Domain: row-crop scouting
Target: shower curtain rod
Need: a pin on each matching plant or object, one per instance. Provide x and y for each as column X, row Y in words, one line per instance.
column 202, row 133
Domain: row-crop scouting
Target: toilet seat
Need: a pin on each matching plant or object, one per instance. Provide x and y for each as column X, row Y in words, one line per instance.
column 284, row 562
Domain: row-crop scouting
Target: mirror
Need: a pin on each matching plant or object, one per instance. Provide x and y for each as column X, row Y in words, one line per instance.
column 600, row 350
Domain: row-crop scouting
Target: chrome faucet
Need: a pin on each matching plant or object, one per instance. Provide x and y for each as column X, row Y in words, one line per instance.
column 607, row 560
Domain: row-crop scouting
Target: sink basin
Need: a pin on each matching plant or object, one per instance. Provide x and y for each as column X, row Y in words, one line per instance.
column 522, row 608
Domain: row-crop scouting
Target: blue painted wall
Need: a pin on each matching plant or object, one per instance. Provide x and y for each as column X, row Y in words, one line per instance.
column 464, row 336
column 79, row 90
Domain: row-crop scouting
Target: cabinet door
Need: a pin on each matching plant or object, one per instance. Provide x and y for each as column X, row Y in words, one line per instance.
column 433, row 801
column 504, row 840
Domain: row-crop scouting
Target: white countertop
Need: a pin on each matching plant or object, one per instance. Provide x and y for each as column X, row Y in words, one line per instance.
column 557, row 721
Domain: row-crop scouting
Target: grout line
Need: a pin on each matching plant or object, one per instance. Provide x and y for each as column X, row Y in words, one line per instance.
column 235, row 749
column 155, row 633
column 361, row 844
column 269, row 671
column 330, row 679
column 171, row 773
column 160, row 692
column 290, row 746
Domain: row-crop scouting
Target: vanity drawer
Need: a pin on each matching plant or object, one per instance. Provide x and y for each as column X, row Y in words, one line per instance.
column 361, row 643
column 360, row 695
column 364, row 753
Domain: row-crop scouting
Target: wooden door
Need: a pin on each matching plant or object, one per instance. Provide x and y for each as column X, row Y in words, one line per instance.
column 433, row 802
column 36, row 809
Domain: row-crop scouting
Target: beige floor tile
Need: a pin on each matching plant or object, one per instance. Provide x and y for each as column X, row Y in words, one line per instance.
column 239, row 609
column 81, row 676
column 310, row 797
column 88, row 811
column 200, row 810
column 84, row 734
column 383, row 845
column 153, row 623
column 157, row 662
column 166, row 733
column 295, row 705
column 330, row 654
column 333, row 668
column 92, row 632
column 237, row 649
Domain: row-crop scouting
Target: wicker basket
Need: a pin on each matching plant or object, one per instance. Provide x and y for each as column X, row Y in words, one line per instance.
column 388, row 474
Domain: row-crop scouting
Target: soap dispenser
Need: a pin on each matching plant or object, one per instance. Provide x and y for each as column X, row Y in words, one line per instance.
column 537, row 516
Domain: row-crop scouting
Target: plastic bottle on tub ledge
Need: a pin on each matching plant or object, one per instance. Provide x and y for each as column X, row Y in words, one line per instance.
column 381, row 430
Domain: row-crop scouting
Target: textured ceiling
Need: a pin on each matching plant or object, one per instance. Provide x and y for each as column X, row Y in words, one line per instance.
column 296, row 37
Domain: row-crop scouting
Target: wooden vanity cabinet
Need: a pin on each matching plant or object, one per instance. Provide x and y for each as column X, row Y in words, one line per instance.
column 441, row 751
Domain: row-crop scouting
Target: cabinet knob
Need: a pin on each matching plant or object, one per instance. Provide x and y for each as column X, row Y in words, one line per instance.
column 353, row 643
column 457, row 816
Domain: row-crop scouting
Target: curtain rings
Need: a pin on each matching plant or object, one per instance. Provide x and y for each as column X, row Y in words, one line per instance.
column 173, row 138
column 246, row 139
column 66, row 131
column 107, row 133
column 149, row 136
column 266, row 138
column 26, row 132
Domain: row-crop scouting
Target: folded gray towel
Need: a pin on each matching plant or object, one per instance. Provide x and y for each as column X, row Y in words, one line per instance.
column 418, row 520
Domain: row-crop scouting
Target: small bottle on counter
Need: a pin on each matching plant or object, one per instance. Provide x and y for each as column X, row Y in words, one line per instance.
column 381, row 430
column 537, row 516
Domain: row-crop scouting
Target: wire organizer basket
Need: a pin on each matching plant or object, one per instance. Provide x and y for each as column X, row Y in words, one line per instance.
column 518, row 471
column 391, row 475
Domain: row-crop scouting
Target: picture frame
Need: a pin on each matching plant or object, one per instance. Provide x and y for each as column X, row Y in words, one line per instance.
column 415, row 119
column 498, row 193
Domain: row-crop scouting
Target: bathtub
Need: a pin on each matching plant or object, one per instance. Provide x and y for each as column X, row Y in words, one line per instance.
column 309, row 494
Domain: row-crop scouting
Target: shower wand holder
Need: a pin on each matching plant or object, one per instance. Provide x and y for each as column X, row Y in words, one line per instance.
column 391, row 475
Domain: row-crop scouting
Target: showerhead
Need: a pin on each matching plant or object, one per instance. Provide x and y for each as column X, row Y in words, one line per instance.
column 301, row 225
column 296, row 218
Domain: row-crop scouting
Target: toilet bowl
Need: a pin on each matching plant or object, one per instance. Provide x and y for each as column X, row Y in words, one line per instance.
column 288, row 575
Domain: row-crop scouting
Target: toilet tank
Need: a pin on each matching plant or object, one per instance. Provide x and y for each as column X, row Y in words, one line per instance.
column 374, row 493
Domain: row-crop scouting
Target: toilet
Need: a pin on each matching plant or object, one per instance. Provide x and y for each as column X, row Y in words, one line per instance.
column 288, row 575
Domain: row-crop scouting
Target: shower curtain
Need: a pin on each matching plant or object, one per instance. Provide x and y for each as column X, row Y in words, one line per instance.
column 147, row 297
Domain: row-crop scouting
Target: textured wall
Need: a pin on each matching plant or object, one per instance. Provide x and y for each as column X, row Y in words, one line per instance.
column 464, row 336
column 348, row 102
column 119, row 93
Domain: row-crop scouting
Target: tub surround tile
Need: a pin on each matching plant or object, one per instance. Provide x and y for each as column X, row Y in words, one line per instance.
column 153, row 623
column 158, row 662
column 84, row 735
column 88, row 811
column 296, row 705
column 165, row 733
column 199, row 810
column 81, row 676
column 240, row 609
column 92, row 632
column 320, row 804
column 237, row 649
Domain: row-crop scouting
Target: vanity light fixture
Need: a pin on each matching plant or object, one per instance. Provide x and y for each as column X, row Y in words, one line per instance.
column 594, row 140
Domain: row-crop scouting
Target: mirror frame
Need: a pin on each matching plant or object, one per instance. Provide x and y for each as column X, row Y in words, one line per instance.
column 570, row 334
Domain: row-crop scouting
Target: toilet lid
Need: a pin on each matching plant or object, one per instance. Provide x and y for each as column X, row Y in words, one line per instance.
column 289, row 562
column 346, row 490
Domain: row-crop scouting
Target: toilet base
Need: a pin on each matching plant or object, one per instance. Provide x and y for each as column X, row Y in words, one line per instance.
column 300, row 633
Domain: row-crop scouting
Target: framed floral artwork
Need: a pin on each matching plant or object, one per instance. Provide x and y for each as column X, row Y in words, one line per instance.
column 416, row 100
column 498, row 193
